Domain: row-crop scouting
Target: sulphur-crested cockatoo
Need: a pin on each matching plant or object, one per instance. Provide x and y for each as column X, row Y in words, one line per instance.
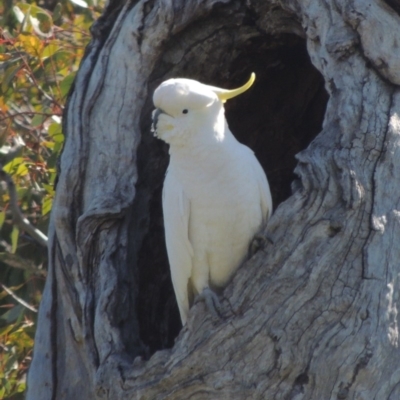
column 216, row 196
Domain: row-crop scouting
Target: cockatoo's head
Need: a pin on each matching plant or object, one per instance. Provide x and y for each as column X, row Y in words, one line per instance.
column 186, row 108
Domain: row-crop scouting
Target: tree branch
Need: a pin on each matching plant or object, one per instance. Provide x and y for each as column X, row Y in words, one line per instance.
column 15, row 261
column 18, row 217
column 18, row 299
column 30, row 113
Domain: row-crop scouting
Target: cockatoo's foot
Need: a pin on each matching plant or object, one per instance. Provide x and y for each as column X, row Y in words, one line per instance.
column 212, row 301
column 258, row 242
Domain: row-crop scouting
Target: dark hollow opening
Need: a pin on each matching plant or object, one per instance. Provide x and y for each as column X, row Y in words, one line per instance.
column 283, row 111
column 278, row 117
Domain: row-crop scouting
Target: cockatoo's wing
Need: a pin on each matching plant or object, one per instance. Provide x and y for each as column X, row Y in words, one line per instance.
column 176, row 209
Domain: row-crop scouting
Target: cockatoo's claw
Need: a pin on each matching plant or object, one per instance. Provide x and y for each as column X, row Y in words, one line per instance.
column 211, row 300
column 258, row 243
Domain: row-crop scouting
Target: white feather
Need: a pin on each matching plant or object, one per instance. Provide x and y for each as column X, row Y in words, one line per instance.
column 180, row 252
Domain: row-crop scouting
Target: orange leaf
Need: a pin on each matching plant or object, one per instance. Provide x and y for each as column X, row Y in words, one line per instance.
column 5, row 57
column 3, row 105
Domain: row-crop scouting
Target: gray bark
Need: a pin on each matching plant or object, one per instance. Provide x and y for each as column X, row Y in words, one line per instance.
column 314, row 313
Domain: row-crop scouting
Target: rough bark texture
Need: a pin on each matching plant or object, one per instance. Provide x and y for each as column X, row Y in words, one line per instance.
column 313, row 315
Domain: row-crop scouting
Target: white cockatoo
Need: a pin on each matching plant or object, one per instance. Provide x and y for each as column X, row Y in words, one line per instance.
column 216, row 196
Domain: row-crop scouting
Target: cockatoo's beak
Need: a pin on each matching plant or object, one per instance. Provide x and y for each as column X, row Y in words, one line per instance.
column 224, row 94
column 156, row 113
column 155, row 116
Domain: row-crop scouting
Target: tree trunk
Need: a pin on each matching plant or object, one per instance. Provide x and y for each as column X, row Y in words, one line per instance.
column 313, row 314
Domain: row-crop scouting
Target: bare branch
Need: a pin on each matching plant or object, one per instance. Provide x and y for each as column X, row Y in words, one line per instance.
column 18, row 217
column 15, row 261
column 17, row 298
column 30, row 113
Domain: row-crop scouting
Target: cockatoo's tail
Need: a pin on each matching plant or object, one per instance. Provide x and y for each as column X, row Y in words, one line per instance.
column 216, row 195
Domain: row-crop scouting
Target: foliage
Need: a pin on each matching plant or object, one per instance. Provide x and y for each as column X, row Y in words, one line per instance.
column 41, row 45
column 16, row 347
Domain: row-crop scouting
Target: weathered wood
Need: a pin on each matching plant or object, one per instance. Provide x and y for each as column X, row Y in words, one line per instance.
column 313, row 315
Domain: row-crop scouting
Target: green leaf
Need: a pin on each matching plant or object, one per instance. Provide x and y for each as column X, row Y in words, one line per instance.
column 22, row 170
column 14, row 239
column 33, row 9
column 49, row 50
column 6, row 329
column 66, row 83
column 47, row 204
column 53, row 177
column 57, row 12
column 8, row 76
column 58, row 146
column 12, row 315
column 7, row 385
column 9, row 167
column 56, row 133
column 52, row 160
column 45, row 21
column 54, row 129
column 63, row 60
column 49, row 145
column 49, row 188
column 2, row 218
column 58, row 139
column 38, row 119
column 21, row 191
column 21, row 387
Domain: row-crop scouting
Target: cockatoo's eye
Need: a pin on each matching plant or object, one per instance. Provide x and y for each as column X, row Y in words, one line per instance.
column 185, row 111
